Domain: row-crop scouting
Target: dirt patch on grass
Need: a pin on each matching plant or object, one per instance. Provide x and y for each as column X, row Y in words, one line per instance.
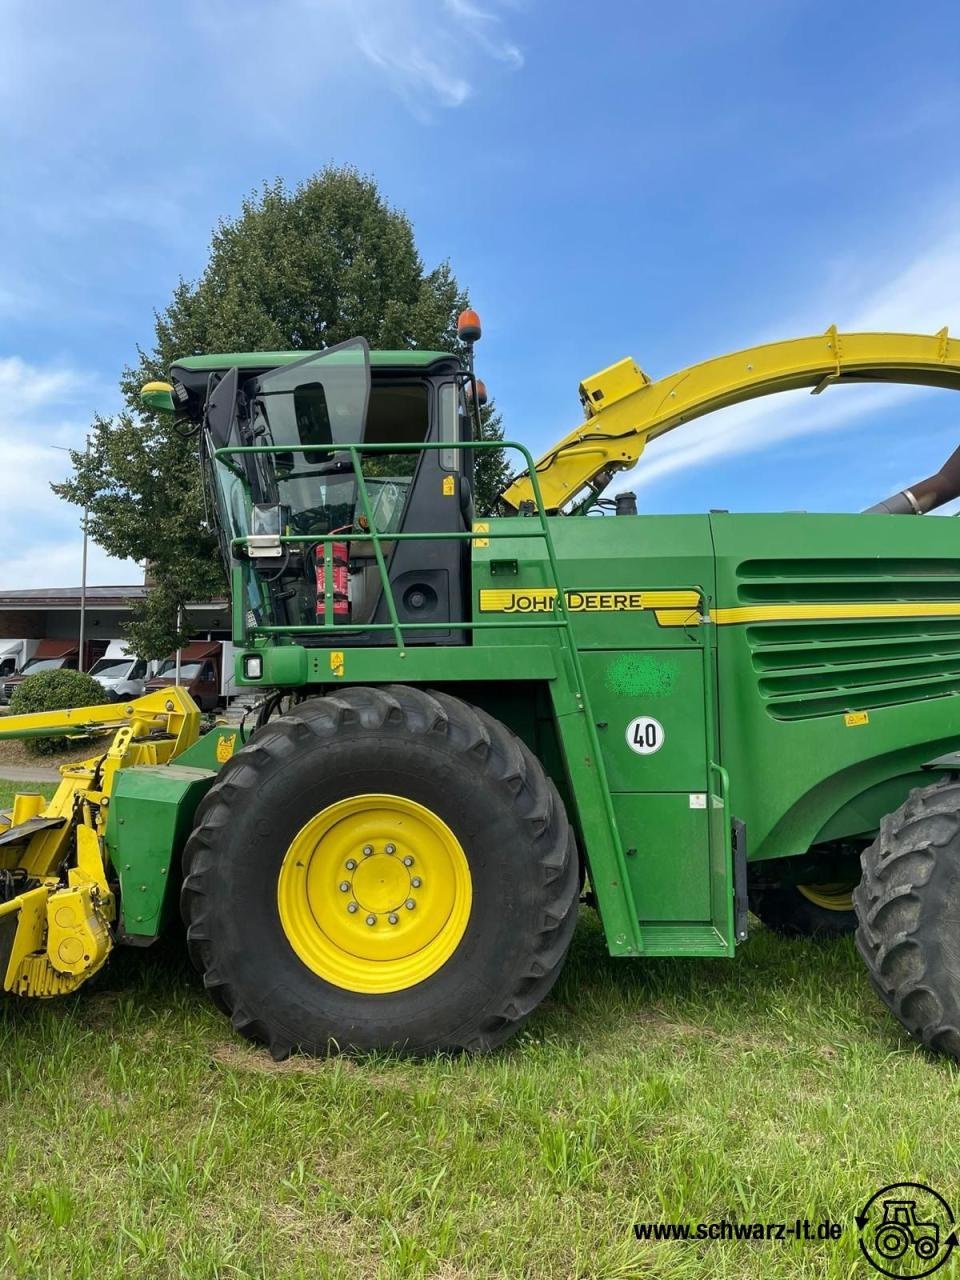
column 256, row 1058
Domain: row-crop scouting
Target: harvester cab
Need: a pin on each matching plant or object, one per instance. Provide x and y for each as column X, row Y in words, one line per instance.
column 280, row 434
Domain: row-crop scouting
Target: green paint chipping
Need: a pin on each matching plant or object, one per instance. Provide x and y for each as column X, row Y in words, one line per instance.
column 649, row 674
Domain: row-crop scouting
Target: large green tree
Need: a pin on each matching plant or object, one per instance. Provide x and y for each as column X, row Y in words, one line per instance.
column 301, row 268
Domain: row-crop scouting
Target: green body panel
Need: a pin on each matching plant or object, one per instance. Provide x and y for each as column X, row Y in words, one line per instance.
column 410, row 666
column 799, row 773
column 754, row 712
column 151, row 814
column 213, row 749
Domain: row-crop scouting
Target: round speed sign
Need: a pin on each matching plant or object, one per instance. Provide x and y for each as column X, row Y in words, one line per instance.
column 645, row 735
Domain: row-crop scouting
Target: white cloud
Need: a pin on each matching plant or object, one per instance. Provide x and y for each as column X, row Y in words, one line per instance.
column 415, row 71
column 59, row 564
column 486, row 26
column 429, row 54
column 920, row 296
column 43, row 410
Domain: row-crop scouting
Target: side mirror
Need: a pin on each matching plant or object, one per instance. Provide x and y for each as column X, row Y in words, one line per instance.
column 222, row 409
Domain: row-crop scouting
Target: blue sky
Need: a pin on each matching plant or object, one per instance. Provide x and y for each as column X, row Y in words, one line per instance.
column 663, row 181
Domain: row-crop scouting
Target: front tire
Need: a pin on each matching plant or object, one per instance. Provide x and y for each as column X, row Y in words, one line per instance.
column 306, row 951
column 908, row 910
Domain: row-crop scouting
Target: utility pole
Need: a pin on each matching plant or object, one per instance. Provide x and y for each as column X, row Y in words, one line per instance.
column 179, row 650
column 83, row 565
column 83, row 583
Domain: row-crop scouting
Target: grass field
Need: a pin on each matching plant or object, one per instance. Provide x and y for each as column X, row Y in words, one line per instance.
column 139, row 1137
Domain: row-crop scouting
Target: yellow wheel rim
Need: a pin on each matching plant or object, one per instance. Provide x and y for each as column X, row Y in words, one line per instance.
column 375, row 893
column 832, row 897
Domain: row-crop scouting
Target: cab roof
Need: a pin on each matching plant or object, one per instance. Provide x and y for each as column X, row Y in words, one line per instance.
column 193, row 372
column 272, row 359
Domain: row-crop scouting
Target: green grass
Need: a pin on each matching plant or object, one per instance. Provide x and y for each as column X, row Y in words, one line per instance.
column 139, row 1137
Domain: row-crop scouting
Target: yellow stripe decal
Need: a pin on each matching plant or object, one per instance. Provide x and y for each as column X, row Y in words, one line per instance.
column 681, row 608
column 825, row 612
column 544, row 599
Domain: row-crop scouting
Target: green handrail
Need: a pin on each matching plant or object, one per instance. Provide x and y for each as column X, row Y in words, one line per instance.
column 560, row 601
column 376, row 538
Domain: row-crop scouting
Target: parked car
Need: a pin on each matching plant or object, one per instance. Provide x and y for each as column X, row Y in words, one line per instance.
column 206, row 672
column 121, row 672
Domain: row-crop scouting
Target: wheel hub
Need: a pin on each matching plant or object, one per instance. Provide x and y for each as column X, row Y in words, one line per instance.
column 381, row 883
column 374, row 893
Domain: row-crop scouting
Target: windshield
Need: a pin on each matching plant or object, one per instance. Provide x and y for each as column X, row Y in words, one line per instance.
column 188, row 670
column 321, row 400
column 112, row 667
column 44, row 664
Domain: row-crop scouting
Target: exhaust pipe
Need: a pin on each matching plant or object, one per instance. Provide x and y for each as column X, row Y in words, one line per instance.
column 926, row 495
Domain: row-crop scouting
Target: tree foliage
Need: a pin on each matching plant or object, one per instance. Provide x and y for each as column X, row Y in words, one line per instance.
column 297, row 269
column 493, row 468
column 54, row 691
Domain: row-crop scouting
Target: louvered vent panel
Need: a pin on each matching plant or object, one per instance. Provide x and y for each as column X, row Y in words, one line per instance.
column 818, row 668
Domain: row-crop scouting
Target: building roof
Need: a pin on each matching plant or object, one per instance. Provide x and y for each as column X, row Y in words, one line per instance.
column 119, row 597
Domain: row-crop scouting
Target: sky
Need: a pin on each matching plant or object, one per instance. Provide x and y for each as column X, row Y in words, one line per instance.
column 668, row 182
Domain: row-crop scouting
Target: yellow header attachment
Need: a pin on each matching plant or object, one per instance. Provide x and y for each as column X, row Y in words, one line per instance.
column 58, row 929
column 624, row 408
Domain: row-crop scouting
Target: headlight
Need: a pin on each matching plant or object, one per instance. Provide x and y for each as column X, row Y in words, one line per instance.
column 253, row 666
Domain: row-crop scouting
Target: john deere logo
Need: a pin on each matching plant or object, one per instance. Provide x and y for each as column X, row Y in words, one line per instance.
column 226, row 745
column 906, row 1230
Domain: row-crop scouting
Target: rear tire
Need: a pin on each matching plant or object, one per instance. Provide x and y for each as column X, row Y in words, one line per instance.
column 435, row 756
column 799, row 911
column 908, row 905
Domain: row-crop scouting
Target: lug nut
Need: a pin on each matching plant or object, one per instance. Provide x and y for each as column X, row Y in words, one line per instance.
column 351, row 907
column 367, row 850
column 416, row 882
column 408, row 861
column 344, row 887
column 409, row 904
column 391, row 848
column 392, row 918
column 371, row 920
column 351, row 864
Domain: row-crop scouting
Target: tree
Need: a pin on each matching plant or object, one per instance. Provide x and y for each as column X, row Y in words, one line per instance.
column 493, row 467
column 297, row 269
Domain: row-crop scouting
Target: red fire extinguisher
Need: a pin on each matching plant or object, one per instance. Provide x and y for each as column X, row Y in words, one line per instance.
column 341, row 581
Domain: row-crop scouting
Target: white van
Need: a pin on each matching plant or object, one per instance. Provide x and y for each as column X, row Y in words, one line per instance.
column 14, row 653
column 120, row 672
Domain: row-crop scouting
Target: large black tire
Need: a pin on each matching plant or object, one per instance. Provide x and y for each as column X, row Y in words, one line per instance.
column 782, row 907
column 908, row 911
column 441, row 753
